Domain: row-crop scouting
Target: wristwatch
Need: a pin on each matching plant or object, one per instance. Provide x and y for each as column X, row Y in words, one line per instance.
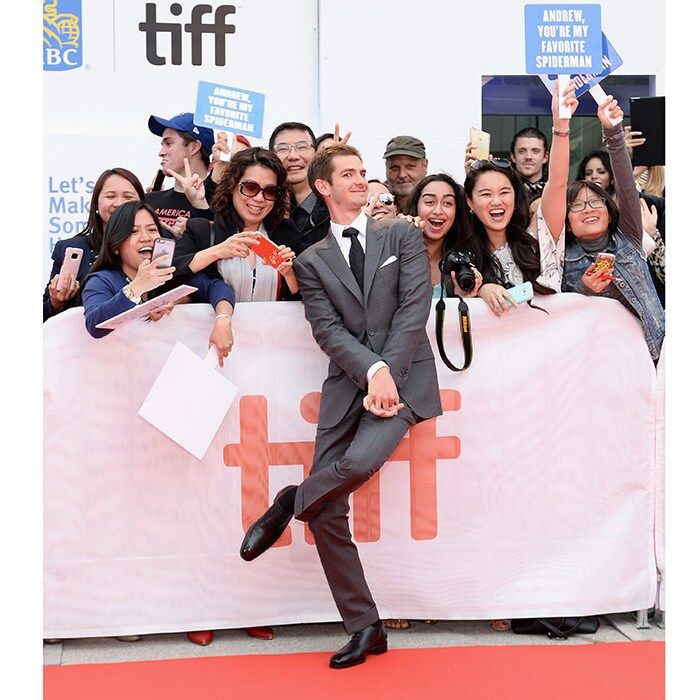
column 129, row 294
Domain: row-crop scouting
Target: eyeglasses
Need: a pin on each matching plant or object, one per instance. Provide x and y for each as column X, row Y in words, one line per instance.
column 595, row 203
column 250, row 188
column 386, row 198
column 498, row 162
column 284, row 149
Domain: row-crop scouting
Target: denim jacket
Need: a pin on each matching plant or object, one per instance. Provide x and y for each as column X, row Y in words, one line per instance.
column 635, row 284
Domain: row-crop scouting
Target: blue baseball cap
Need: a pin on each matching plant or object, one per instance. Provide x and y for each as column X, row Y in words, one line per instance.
column 183, row 122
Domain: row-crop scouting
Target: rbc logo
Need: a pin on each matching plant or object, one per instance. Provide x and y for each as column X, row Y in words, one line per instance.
column 63, row 45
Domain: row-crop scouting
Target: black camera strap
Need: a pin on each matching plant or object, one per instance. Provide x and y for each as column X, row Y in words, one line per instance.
column 464, row 326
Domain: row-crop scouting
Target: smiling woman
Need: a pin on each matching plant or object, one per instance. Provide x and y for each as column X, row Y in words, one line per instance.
column 249, row 202
column 112, row 188
column 597, row 225
column 506, row 249
column 123, row 275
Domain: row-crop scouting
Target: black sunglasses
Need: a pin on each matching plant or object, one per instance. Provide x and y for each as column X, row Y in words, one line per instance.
column 498, row 162
column 250, row 188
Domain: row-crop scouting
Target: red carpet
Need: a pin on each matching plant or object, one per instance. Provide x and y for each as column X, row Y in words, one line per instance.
column 633, row 670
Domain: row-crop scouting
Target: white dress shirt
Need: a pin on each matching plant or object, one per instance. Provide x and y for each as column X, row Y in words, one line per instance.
column 344, row 242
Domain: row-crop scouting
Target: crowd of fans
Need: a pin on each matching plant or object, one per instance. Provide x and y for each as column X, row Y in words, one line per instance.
column 518, row 219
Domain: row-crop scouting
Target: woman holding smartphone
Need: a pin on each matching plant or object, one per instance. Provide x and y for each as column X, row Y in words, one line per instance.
column 598, row 225
column 505, row 249
column 124, row 275
column 112, row 188
column 248, row 203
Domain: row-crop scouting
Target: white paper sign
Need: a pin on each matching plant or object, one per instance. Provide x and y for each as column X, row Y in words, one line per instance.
column 142, row 310
column 189, row 399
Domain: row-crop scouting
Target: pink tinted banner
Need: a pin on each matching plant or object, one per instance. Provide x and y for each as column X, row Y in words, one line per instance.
column 533, row 494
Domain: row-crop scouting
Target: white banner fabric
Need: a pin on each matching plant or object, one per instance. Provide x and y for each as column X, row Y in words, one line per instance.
column 532, row 495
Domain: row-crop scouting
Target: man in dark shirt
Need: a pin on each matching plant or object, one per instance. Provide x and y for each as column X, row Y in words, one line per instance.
column 308, row 221
column 185, row 152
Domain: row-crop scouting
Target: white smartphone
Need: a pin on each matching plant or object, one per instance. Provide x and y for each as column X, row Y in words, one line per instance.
column 481, row 140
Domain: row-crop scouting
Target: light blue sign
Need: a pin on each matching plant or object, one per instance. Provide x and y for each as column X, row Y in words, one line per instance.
column 229, row 109
column 63, row 34
column 563, row 39
column 585, row 81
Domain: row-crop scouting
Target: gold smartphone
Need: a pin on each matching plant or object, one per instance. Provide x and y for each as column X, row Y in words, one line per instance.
column 481, row 140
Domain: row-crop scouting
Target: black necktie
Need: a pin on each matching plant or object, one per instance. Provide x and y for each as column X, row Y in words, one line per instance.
column 357, row 256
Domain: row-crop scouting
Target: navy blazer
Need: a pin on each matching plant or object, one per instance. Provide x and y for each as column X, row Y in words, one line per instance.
column 103, row 295
column 80, row 241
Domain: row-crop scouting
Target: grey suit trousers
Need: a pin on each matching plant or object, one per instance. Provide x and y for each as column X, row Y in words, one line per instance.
column 347, row 455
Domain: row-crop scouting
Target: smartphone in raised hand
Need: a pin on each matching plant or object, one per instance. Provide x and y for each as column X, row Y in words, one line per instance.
column 481, row 141
column 163, row 246
column 70, row 265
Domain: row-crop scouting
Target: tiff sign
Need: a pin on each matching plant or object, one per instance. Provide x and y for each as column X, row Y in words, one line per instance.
column 203, row 20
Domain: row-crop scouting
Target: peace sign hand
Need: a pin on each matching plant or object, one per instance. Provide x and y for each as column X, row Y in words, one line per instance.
column 193, row 186
column 336, row 136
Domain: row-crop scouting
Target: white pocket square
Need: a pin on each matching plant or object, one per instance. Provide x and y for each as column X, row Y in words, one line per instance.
column 388, row 261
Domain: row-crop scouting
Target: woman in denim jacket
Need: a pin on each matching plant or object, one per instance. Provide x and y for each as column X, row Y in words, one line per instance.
column 597, row 225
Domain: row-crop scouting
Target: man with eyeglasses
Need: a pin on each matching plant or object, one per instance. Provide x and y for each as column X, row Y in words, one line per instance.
column 308, row 221
column 406, row 166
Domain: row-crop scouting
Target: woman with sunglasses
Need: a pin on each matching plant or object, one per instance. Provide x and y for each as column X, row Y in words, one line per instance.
column 597, row 224
column 508, row 246
column 248, row 203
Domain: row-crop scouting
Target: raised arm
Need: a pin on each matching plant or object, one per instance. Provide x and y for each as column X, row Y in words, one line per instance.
column 554, row 193
column 630, row 223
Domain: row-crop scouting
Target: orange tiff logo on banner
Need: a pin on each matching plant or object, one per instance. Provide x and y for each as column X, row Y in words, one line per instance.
column 422, row 447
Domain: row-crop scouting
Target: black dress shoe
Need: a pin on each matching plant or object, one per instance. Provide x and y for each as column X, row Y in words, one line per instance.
column 266, row 530
column 370, row 640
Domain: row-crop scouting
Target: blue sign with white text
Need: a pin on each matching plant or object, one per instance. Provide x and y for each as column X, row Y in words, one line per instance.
column 229, row 109
column 63, row 34
column 585, row 81
column 563, row 39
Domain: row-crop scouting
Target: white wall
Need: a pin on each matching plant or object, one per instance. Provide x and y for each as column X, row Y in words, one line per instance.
column 407, row 66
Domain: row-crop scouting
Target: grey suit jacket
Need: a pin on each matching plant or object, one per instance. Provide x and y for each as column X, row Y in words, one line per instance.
column 386, row 323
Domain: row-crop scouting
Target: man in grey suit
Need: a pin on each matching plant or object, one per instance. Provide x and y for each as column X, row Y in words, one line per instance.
column 366, row 293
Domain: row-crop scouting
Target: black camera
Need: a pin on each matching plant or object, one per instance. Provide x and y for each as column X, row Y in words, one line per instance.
column 460, row 263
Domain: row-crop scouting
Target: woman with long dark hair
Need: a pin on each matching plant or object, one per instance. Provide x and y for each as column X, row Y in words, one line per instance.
column 248, row 203
column 510, row 248
column 111, row 189
column 123, row 275
column 439, row 202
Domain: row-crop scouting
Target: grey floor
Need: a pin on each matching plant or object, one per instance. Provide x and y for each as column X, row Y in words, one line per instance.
column 327, row 637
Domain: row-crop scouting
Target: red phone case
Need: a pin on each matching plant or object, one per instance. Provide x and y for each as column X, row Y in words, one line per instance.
column 268, row 251
column 71, row 264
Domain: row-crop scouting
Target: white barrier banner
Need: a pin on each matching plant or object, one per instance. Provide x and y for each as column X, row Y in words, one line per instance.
column 532, row 495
